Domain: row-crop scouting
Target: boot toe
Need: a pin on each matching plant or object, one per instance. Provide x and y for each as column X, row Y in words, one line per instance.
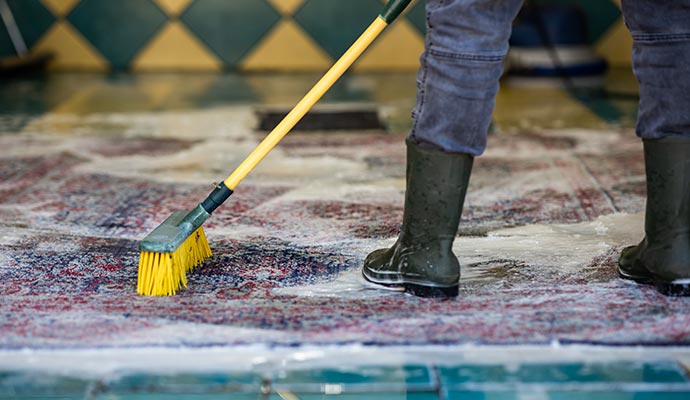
column 378, row 268
column 631, row 268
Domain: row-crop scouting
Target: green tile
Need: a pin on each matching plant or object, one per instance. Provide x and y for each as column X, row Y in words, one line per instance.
column 478, row 395
column 613, row 394
column 601, row 14
column 407, row 375
column 178, row 396
column 118, row 29
column 25, row 385
column 335, row 25
column 618, row 395
column 230, row 28
column 417, row 16
column 628, row 372
column 652, row 395
column 226, row 89
column 361, row 396
column 190, row 384
column 6, row 46
column 600, row 104
column 422, row 396
column 32, row 18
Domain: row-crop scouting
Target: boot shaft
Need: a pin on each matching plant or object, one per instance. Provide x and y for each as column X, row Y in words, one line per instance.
column 667, row 165
column 436, row 186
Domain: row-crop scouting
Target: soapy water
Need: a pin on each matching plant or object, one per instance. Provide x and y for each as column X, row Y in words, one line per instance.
column 216, row 145
column 219, row 146
column 553, row 248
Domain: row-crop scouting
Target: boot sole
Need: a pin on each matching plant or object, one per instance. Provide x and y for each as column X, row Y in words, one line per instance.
column 671, row 289
column 417, row 289
column 636, row 278
column 431, row 291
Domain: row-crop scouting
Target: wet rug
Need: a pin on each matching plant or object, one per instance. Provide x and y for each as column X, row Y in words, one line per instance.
column 545, row 219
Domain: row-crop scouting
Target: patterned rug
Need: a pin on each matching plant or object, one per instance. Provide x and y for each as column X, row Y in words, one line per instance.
column 546, row 216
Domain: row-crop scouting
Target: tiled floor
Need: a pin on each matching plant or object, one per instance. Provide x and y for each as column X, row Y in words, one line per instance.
column 551, row 380
column 548, row 104
column 388, row 373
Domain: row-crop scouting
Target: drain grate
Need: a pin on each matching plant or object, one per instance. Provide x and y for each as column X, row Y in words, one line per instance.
column 333, row 118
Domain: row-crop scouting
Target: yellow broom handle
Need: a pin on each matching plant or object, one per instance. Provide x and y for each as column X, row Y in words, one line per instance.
column 307, row 102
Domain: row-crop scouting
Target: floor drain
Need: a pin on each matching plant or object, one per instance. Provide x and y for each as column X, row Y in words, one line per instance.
column 328, row 118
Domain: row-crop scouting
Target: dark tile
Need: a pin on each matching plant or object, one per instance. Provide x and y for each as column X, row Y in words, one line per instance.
column 417, row 16
column 601, row 15
column 335, row 25
column 6, row 46
column 230, row 28
column 32, row 18
column 226, row 89
column 118, row 29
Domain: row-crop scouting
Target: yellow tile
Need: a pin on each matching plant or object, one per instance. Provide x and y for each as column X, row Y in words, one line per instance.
column 173, row 7
column 175, row 91
column 281, row 89
column 286, row 48
column 176, row 48
column 542, row 107
column 79, row 103
column 107, row 97
column 616, row 45
column 158, row 92
column 60, row 7
column 397, row 49
column 71, row 50
column 286, row 7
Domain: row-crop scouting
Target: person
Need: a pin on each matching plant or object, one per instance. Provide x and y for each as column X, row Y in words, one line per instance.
column 465, row 44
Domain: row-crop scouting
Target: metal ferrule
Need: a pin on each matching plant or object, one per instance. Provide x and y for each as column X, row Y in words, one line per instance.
column 393, row 9
column 216, row 198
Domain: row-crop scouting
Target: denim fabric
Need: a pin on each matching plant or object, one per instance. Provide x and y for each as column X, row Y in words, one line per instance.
column 467, row 41
column 457, row 82
column 661, row 62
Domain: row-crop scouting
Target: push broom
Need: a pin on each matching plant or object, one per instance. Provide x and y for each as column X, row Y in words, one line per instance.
column 179, row 244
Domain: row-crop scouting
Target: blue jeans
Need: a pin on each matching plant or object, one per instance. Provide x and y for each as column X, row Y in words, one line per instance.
column 462, row 62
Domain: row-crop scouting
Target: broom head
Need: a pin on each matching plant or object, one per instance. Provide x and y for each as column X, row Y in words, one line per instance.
column 170, row 251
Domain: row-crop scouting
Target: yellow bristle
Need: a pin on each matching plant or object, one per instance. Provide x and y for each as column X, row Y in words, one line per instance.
column 162, row 274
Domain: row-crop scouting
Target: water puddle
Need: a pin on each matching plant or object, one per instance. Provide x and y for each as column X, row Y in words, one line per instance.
column 543, row 249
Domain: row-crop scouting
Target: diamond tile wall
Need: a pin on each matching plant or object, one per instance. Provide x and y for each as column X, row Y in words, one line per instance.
column 230, row 28
column 33, row 20
column 242, row 34
column 118, row 29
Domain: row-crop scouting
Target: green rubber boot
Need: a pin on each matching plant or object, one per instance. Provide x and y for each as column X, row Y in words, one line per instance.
column 663, row 256
column 422, row 260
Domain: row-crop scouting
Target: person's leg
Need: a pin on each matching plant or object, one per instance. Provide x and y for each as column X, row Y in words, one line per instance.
column 466, row 43
column 457, row 82
column 661, row 62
